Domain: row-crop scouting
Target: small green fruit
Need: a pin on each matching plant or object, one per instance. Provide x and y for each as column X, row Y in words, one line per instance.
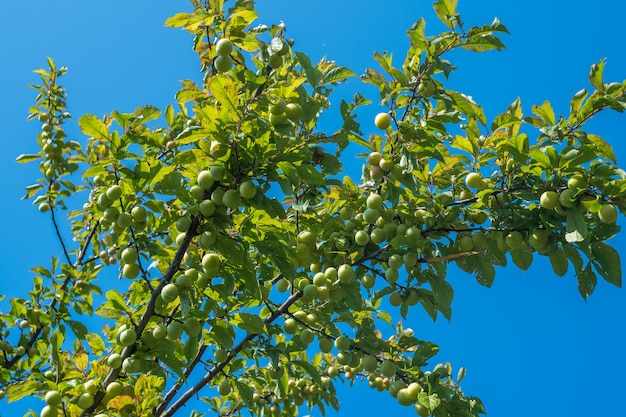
column 474, row 180
column 128, row 337
column 211, row 262
column 247, row 189
column 382, row 121
column 388, row 368
column 576, row 181
column 278, row 106
column 224, row 388
column 175, row 330
column 291, row 326
column 538, row 238
column 386, row 164
column 224, row 47
column 275, row 61
column 192, row 326
column 183, row 224
column 114, row 361
column 514, row 239
column 223, row 63
column 426, row 88
column 217, row 172
column 159, row 332
column 205, row 180
column 278, row 119
column 549, row 199
column 207, row 208
column 114, row 192
column 139, row 214
column 130, row 365
column 91, row 386
column 169, row 293
column 231, row 199
column 221, row 355
column 53, row 398
column 85, row 400
column 131, row 271
column 44, row 207
column 326, row 344
column 404, row 398
column 421, row 410
column 608, row 214
column 466, row 243
column 293, row 111
column 129, row 255
column 342, row 343
column 565, row 198
column 345, row 274
column 114, row 389
column 369, row 363
column 49, row 411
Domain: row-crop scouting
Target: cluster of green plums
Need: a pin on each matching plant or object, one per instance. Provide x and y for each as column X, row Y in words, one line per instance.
column 85, row 399
column 224, row 62
column 281, row 111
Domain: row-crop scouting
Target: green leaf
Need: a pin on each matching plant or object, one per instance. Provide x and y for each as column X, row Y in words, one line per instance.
column 92, row 126
column 170, row 184
column 545, row 112
column 577, row 101
column 56, row 341
column 504, row 120
column 603, row 148
column 607, row 262
column 337, row 74
column 468, row 106
column 444, row 293
column 495, row 26
column 116, row 300
column 22, row 389
column 464, row 144
column 78, row 328
column 96, row 344
column 595, row 75
column 190, row 21
column 309, row 370
column 250, row 323
column 541, row 158
column 485, row 272
column 446, row 10
column 166, row 351
column 191, row 347
column 417, row 34
column 586, row 281
column 483, row 42
column 522, row 257
column 27, row 157
column 431, row 401
column 558, row 260
column 576, row 229
column 225, row 91
column 313, row 75
column 246, row 394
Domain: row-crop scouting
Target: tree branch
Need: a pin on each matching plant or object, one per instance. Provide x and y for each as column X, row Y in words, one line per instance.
column 218, row 368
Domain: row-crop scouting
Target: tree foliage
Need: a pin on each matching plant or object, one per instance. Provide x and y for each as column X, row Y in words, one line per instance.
column 252, row 273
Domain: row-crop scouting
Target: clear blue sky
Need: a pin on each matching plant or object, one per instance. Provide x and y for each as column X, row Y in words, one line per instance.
column 532, row 346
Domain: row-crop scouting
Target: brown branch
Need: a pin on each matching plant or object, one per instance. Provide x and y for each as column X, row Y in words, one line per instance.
column 206, row 379
column 58, row 232
column 174, row 390
column 145, row 318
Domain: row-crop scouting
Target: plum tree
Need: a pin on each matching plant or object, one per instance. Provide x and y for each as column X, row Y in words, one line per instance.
column 242, row 242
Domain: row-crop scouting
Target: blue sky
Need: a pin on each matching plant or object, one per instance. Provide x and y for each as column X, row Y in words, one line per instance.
column 532, row 346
